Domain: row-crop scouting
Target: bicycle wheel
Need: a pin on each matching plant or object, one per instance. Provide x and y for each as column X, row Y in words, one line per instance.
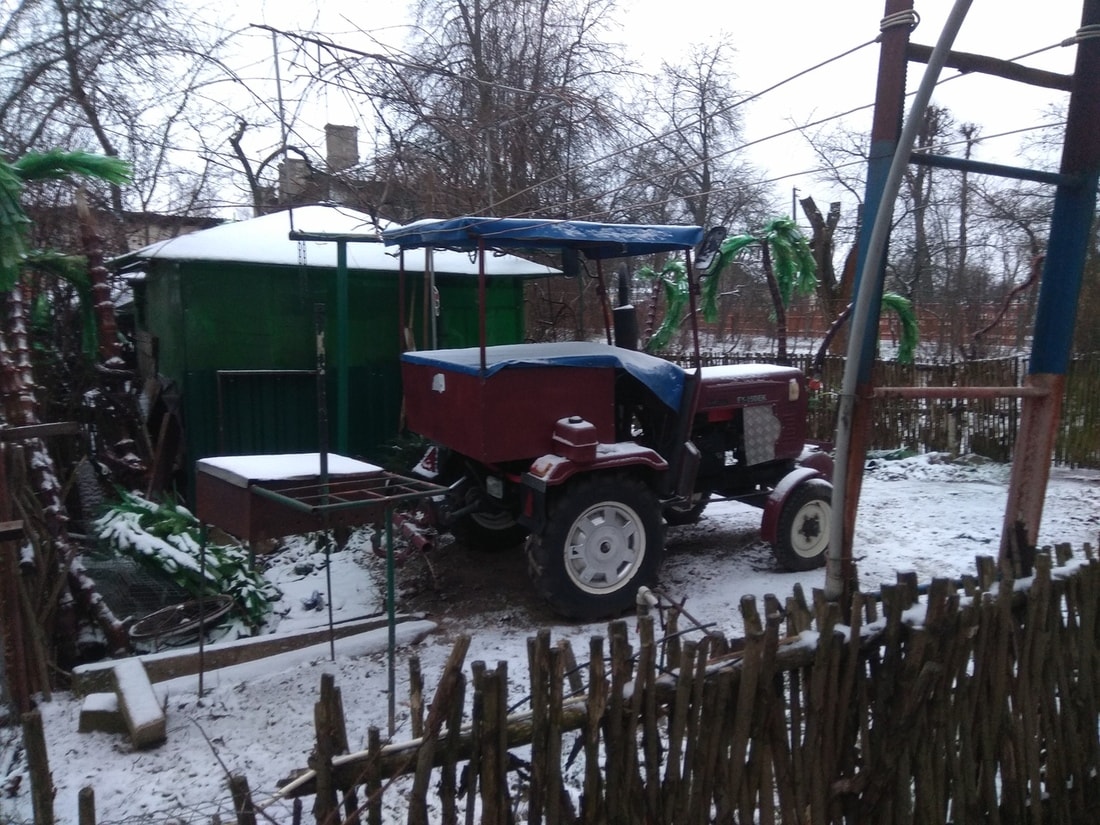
column 184, row 617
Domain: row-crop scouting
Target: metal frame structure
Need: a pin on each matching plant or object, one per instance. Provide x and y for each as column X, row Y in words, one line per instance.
column 1074, row 210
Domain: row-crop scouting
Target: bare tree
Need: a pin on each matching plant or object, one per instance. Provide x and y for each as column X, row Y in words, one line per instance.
column 961, row 243
column 834, row 290
column 129, row 78
column 682, row 162
column 495, row 107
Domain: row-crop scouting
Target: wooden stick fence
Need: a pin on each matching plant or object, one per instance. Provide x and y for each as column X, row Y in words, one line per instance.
column 973, row 701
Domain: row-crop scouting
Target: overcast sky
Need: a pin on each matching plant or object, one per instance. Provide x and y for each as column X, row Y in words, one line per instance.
column 774, row 41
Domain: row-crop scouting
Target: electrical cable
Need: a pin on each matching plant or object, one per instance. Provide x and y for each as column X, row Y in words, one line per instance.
column 907, row 18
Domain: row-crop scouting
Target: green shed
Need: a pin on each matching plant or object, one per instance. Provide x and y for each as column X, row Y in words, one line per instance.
column 227, row 322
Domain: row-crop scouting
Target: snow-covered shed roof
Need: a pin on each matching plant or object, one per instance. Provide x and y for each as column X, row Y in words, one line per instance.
column 266, row 240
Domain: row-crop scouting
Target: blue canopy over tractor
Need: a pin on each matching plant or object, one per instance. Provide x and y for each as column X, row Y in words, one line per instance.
column 594, row 240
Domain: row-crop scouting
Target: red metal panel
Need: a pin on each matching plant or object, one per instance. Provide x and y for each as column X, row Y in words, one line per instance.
column 736, row 388
column 509, row 414
column 241, row 512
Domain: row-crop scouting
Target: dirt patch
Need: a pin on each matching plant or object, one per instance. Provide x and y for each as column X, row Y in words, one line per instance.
column 464, row 586
column 456, row 583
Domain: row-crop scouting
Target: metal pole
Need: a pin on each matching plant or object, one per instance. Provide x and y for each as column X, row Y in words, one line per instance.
column 342, row 347
column 391, row 616
column 481, row 328
column 202, row 611
column 1059, row 289
column 429, row 299
column 863, row 335
column 319, row 317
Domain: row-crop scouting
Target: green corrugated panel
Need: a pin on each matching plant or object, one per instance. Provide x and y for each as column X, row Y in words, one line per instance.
column 457, row 322
column 232, row 316
column 267, row 413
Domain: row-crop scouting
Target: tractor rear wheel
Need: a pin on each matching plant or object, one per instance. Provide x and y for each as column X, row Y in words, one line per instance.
column 604, row 538
column 804, row 525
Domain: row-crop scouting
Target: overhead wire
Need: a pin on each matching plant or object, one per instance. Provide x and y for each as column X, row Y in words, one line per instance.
column 910, row 19
column 779, row 134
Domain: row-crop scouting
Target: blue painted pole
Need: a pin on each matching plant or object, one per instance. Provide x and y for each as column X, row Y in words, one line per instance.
column 1067, row 250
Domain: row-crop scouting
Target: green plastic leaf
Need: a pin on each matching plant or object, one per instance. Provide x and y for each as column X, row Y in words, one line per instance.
column 56, row 164
column 674, row 283
column 166, row 537
column 910, row 331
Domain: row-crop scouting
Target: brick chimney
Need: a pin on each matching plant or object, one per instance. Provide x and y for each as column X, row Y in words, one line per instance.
column 341, row 147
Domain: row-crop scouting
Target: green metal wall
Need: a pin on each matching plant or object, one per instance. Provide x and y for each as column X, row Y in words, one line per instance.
column 210, row 317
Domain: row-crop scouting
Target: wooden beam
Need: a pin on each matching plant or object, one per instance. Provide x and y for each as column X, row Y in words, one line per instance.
column 97, row 676
column 39, row 431
column 960, row 392
column 11, row 530
column 968, row 62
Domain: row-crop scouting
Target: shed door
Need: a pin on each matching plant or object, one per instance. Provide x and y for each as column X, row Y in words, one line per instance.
column 267, row 412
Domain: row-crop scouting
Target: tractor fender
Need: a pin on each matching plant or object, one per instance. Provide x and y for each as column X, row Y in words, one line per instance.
column 553, row 470
column 773, row 506
column 817, row 459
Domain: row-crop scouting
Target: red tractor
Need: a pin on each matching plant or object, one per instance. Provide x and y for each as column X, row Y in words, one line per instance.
column 586, row 451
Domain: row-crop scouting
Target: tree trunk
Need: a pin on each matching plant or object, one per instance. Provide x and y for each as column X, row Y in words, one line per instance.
column 106, row 325
column 823, row 246
column 21, row 409
column 780, row 309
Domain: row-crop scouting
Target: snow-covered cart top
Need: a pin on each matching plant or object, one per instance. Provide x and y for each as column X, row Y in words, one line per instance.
column 594, row 240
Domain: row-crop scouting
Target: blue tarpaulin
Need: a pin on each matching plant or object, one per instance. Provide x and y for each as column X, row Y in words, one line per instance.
column 594, row 240
column 663, row 378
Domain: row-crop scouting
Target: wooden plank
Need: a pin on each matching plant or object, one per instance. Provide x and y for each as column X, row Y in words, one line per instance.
column 38, row 768
column 39, row 431
column 11, row 530
column 594, row 808
column 96, row 677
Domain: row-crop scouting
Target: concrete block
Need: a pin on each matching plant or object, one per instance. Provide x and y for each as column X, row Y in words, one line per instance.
column 141, row 708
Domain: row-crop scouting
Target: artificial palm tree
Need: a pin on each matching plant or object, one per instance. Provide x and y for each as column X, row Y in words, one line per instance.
column 15, row 252
column 788, row 265
column 789, row 269
column 64, row 577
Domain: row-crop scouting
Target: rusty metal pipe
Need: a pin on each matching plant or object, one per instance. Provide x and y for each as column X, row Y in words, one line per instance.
column 960, row 392
column 411, row 531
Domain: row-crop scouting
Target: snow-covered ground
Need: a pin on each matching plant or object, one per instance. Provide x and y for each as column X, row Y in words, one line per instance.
column 924, row 514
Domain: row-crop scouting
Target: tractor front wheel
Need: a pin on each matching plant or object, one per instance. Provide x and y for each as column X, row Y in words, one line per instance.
column 804, row 524
column 604, row 538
